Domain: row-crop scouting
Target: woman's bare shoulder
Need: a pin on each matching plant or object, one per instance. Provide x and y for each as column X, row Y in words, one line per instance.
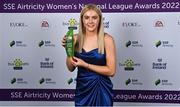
column 108, row 38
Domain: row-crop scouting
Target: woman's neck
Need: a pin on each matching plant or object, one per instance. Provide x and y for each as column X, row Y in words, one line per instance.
column 91, row 34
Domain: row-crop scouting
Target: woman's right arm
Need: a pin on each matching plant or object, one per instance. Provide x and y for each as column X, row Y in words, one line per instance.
column 69, row 64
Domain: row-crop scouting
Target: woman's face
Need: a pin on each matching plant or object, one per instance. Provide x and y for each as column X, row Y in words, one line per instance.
column 91, row 21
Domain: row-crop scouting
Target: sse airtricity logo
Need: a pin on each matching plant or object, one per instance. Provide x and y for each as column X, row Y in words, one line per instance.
column 18, row 81
column 134, row 43
column 162, row 82
column 133, row 81
column 128, row 43
column 12, row 43
column 163, row 43
column 128, row 81
column 17, row 44
column 46, row 81
column 46, row 43
column 158, row 43
column 71, row 80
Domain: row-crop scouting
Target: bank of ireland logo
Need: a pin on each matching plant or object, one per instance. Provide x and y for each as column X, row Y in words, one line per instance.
column 158, row 43
column 106, row 23
column 129, row 65
column 159, row 64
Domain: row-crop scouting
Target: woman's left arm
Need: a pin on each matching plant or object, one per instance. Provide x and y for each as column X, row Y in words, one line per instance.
column 110, row 68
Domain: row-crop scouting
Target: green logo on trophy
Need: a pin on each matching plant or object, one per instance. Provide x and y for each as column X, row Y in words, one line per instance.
column 70, row 39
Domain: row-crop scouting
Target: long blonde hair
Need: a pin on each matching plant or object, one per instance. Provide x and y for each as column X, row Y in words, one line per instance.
column 82, row 30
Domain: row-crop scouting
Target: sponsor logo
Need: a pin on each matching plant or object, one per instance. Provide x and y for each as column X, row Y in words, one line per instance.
column 71, row 80
column 47, row 63
column 129, row 65
column 46, row 43
column 159, row 24
column 18, row 64
column 17, row 24
column 46, row 81
column 163, row 44
column 72, row 23
column 130, row 24
column 106, row 23
column 18, row 81
column 45, row 24
column 133, row 82
column 162, row 82
column 17, row 44
column 133, row 44
column 159, row 64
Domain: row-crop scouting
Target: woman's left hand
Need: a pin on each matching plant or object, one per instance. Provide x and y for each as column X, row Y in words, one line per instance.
column 78, row 62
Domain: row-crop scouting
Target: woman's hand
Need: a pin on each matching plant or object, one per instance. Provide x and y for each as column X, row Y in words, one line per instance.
column 79, row 62
column 63, row 41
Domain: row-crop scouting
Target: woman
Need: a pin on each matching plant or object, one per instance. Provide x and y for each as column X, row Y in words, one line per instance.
column 95, row 58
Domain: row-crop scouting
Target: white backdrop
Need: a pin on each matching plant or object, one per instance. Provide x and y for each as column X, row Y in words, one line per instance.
column 44, row 67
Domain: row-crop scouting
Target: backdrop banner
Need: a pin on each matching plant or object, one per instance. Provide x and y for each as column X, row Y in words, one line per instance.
column 33, row 62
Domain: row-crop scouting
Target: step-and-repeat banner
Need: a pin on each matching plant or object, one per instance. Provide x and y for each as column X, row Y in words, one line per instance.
column 32, row 60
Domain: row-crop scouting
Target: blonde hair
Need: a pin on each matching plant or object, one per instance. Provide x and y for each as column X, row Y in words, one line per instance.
column 82, row 31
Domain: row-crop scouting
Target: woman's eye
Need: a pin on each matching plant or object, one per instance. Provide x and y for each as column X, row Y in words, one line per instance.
column 86, row 17
column 94, row 17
